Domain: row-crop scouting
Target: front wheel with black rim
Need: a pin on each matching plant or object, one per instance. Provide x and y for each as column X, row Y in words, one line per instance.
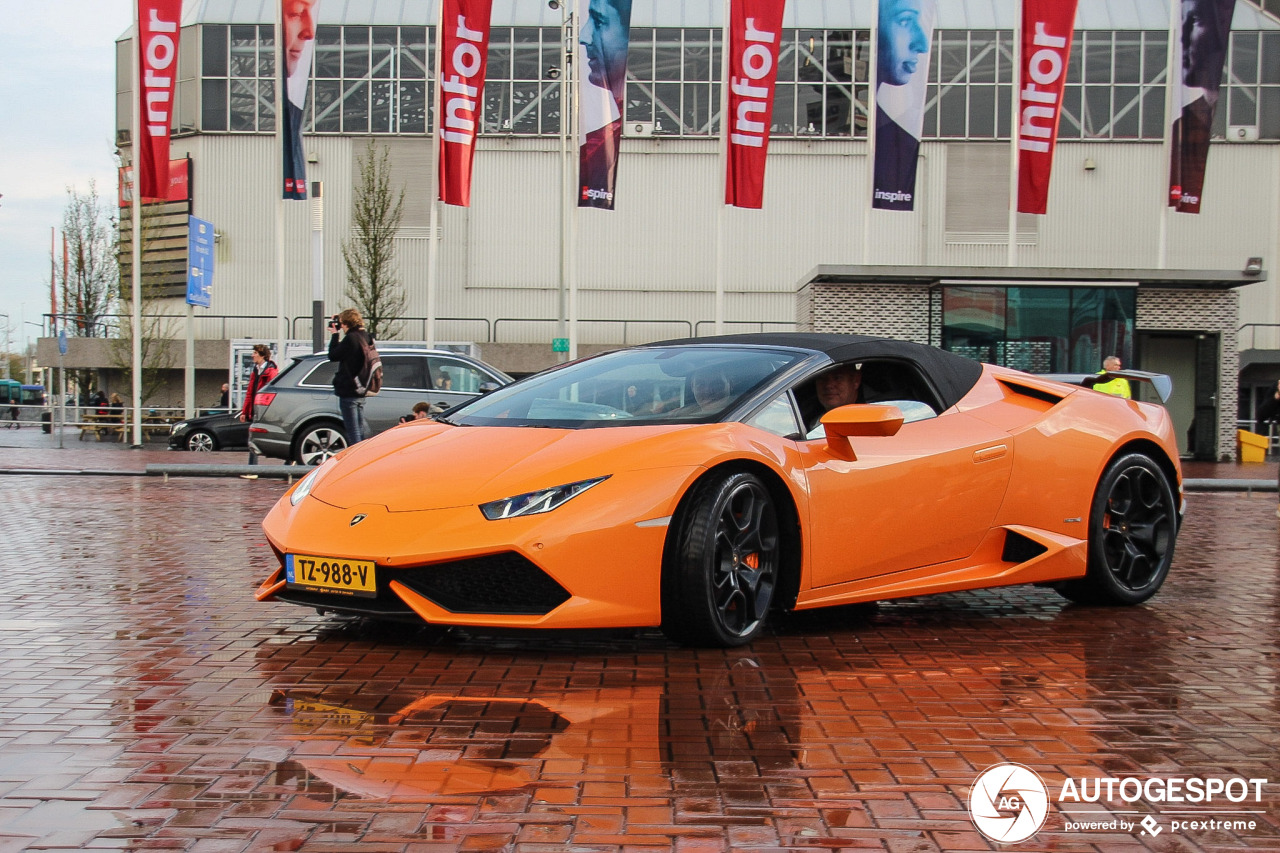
column 1133, row 523
column 320, row 443
column 719, row 578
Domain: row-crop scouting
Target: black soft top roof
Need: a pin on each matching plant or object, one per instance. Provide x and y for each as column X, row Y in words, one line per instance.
column 952, row 375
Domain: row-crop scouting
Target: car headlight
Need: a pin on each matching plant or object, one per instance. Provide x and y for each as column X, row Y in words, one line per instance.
column 533, row 503
column 178, row 427
column 304, row 487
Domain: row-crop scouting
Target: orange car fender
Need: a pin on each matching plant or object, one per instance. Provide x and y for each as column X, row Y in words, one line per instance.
column 1060, row 458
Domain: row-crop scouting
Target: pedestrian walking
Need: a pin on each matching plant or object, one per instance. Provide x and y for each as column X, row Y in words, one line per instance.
column 264, row 370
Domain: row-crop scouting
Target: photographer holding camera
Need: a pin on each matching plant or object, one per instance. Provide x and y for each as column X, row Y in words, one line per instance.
column 346, row 346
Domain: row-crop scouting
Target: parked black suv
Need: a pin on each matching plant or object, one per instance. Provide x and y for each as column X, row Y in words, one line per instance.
column 296, row 417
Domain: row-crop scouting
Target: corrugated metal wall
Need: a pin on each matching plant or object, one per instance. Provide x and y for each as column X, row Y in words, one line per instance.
column 654, row 257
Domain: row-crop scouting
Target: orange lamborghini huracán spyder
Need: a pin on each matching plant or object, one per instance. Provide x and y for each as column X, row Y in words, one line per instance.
column 697, row 485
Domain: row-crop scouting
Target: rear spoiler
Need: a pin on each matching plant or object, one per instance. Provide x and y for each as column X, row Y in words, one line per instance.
column 1162, row 384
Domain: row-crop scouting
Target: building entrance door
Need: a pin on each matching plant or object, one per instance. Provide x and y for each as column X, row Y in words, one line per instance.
column 1191, row 360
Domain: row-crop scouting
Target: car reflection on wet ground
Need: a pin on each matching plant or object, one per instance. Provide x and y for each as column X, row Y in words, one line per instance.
column 149, row 703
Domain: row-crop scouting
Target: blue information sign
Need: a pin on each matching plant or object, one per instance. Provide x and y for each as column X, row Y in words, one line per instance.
column 199, row 261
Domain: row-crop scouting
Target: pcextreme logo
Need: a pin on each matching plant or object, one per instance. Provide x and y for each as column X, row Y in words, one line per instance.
column 1008, row 803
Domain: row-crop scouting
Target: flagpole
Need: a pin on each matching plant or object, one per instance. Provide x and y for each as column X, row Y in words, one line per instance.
column 871, row 131
column 135, row 136
column 566, row 196
column 1014, row 118
column 1172, row 68
column 721, row 203
column 572, row 253
column 283, row 81
column 433, row 237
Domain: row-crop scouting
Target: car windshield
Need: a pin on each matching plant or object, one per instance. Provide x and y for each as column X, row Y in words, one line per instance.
column 649, row 385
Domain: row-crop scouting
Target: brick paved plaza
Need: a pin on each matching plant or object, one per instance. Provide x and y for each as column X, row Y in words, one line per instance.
column 148, row 703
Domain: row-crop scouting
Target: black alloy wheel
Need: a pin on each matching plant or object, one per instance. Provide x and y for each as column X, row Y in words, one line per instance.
column 718, row 584
column 1133, row 524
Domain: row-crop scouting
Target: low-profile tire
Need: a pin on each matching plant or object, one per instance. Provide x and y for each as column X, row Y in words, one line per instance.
column 319, row 443
column 718, row 580
column 1133, row 523
column 201, row 441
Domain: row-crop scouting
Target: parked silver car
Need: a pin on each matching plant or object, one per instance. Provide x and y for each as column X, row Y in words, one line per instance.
column 296, row 417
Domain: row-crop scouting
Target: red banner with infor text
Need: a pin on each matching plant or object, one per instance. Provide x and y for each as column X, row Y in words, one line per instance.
column 157, row 52
column 755, row 34
column 1047, row 26
column 464, row 54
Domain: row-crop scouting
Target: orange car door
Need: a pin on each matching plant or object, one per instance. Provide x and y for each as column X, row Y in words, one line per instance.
column 926, row 495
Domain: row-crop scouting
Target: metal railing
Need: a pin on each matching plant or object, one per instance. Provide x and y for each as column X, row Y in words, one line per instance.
column 476, row 329
column 447, row 329
column 1252, row 330
column 626, row 327
column 205, row 324
column 752, row 326
column 156, row 420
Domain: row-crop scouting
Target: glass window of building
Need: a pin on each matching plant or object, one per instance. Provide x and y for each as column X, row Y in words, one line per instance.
column 375, row 80
column 1040, row 329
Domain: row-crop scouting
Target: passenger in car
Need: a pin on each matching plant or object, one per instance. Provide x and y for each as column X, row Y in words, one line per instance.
column 710, row 392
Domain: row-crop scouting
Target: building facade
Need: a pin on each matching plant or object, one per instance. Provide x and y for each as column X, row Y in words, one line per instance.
column 647, row 269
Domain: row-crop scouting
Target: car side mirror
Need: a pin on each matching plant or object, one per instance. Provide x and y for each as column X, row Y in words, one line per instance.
column 844, row 422
column 489, row 387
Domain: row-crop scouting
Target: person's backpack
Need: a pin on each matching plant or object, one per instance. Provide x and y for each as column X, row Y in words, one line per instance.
column 369, row 379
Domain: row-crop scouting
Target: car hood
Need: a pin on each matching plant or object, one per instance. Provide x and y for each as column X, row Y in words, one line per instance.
column 436, row 466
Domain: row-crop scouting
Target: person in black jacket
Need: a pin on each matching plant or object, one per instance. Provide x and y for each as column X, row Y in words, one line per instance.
column 1270, row 411
column 346, row 347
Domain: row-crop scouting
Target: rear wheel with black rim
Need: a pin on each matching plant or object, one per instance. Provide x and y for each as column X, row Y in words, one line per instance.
column 718, row 582
column 1133, row 523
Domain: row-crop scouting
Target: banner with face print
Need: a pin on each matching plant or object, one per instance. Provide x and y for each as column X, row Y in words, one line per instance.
column 604, row 35
column 904, row 31
column 157, row 57
column 1200, row 51
column 1047, row 27
column 464, row 48
column 755, row 29
column 298, row 29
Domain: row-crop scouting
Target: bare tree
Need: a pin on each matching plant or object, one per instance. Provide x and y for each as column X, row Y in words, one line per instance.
column 373, row 282
column 88, row 277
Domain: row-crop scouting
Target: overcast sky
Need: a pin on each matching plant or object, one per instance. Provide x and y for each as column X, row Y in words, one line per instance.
column 57, row 127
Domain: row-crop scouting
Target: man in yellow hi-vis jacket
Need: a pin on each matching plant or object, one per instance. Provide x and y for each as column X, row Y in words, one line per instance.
column 1119, row 387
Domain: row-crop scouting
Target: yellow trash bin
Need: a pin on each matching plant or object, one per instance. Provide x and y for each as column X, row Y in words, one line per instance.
column 1253, row 447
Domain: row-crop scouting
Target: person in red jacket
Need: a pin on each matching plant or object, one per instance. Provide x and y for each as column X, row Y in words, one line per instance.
column 264, row 370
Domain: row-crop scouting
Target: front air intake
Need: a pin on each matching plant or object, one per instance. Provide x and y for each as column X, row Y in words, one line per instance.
column 496, row 583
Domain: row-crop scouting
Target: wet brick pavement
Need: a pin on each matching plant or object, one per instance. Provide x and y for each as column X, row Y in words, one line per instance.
column 148, row 703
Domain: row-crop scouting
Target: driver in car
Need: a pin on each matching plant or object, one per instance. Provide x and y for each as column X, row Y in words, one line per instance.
column 836, row 387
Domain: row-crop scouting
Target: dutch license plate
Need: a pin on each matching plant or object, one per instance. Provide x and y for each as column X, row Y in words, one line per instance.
column 330, row 574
